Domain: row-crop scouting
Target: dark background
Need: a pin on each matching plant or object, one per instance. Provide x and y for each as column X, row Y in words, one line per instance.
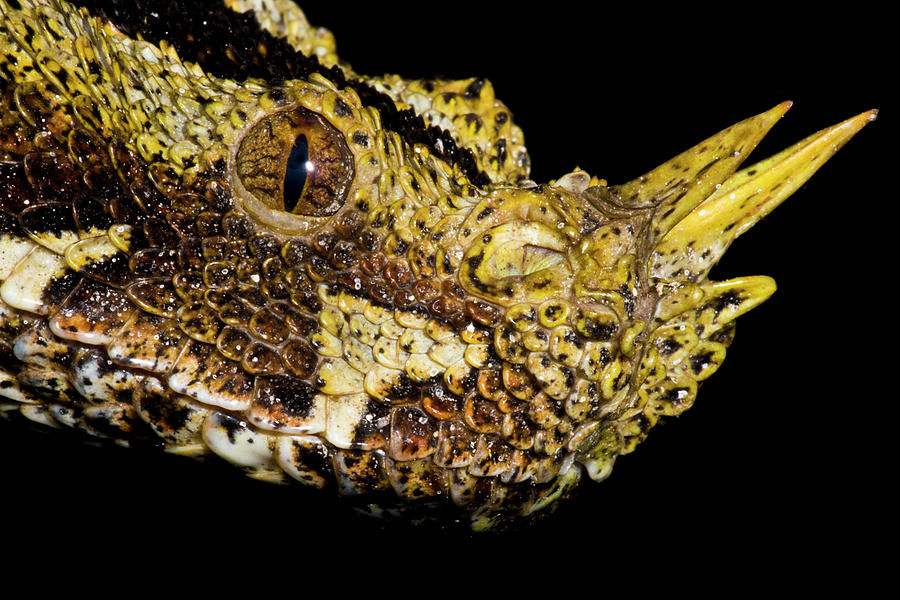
column 782, row 469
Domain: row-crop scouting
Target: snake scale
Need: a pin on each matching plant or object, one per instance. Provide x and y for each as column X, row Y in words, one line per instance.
column 346, row 281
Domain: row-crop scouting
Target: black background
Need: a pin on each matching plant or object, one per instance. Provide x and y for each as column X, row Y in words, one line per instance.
column 781, row 471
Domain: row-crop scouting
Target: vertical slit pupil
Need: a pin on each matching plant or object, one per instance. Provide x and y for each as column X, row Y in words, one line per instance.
column 296, row 173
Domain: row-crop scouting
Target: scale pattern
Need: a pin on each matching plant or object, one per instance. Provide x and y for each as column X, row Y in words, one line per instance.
column 425, row 330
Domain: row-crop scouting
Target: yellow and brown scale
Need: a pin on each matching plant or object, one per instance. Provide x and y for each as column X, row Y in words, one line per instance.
column 391, row 328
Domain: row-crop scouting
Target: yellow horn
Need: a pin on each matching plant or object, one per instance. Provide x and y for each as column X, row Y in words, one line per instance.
column 700, row 239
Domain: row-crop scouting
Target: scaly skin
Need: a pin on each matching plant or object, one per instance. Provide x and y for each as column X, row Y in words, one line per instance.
column 428, row 328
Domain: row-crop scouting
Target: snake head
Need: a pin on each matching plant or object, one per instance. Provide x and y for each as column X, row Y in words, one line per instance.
column 605, row 316
column 347, row 280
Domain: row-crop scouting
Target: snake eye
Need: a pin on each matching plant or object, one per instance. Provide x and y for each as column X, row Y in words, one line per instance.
column 297, row 171
column 296, row 162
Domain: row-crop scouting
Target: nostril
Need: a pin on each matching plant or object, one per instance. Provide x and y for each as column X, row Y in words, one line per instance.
column 517, row 261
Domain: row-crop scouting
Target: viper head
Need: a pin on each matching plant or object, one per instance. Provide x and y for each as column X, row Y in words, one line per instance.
column 285, row 261
column 568, row 316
